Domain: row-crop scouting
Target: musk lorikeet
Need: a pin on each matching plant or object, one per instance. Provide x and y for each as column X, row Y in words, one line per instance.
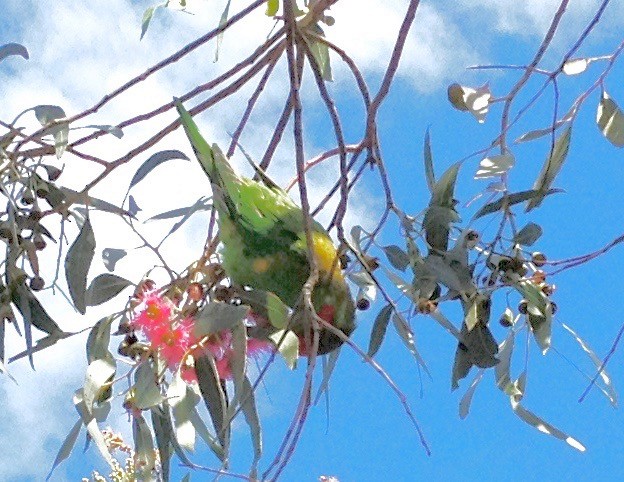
column 264, row 242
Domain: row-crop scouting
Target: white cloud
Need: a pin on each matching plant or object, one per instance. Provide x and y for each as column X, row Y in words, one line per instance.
column 82, row 50
column 435, row 49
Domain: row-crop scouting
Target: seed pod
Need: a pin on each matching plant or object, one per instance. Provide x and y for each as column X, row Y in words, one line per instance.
column 371, row 262
column 539, row 276
column 507, row 318
column 28, row 197
column 35, row 215
column 523, row 307
column 195, row 292
column 37, row 283
column 538, row 259
column 39, row 242
column 143, row 287
column 363, row 304
column 345, row 259
column 222, row 293
column 53, row 172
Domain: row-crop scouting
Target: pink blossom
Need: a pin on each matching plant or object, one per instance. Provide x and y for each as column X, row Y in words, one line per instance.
column 155, row 312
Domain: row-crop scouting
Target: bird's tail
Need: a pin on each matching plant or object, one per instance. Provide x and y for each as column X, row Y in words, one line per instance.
column 211, row 159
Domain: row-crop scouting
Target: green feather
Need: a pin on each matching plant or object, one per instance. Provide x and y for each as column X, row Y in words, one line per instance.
column 260, row 226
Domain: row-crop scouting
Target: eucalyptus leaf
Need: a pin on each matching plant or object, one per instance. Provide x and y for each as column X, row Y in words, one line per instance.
column 495, row 166
column 222, row 22
column 77, row 263
column 576, row 66
column 144, row 454
column 32, row 311
column 510, row 200
column 528, row 234
column 609, row 392
column 114, row 130
column 105, row 287
column 216, row 317
column 503, row 369
column 541, row 326
column 180, row 397
column 397, row 257
column 214, row 396
column 428, row 158
column 164, row 433
column 407, row 336
column 551, row 168
column 133, row 207
column 110, row 256
column 154, row 161
column 146, row 391
column 89, row 420
column 610, row 120
column 272, row 8
column 66, row 447
column 98, row 377
column 543, row 426
column 320, row 52
column 99, row 339
column 248, row 405
column 465, row 402
column 201, row 204
column 287, row 344
column 474, row 100
column 148, row 14
column 46, row 114
column 266, row 305
column 329, row 364
column 10, row 49
column 378, row 333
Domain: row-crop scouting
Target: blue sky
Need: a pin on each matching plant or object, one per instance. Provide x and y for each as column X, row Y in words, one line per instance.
column 79, row 51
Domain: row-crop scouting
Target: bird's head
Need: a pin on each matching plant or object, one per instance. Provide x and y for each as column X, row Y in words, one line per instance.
column 333, row 303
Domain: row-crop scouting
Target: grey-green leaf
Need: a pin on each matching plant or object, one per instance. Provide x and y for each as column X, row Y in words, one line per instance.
column 397, row 257
column 98, row 340
column 154, row 161
column 114, row 130
column 222, row 21
column 610, row 120
column 110, row 256
column 510, row 200
column 66, row 447
column 147, row 18
column 201, row 204
column 544, row 427
column 10, row 49
column 105, row 287
column 164, row 434
column 528, row 234
column 145, row 457
column 248, row 405
column 215, row 317
column 146, row 391
column 214, row 396
column 99, row 374
column 47, row 113
column 379, row 330
column 428, row 158
column 30, row 308
column 77, row 263
column 407, row 336
column 465, row 402
column 551, row 168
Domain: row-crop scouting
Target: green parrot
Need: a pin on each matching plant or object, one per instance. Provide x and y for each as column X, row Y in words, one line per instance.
column 264, row 243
